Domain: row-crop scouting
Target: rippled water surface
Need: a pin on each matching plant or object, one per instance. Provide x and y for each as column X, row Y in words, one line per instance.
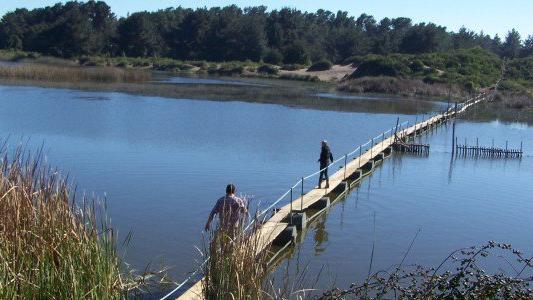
column 162, row 163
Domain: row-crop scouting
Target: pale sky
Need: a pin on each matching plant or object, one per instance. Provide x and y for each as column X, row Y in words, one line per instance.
column 491, row 16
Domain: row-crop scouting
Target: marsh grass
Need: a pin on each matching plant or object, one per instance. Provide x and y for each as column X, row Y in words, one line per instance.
column 505, row 106
column 237, row 265
column 44, row 72
column 51, row 248
column 400, row 86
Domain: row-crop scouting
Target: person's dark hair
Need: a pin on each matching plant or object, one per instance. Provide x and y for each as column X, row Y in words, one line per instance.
column 230, row 189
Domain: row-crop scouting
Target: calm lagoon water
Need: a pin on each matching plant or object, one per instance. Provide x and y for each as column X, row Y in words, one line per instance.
column 454, row 203
column 162, row 163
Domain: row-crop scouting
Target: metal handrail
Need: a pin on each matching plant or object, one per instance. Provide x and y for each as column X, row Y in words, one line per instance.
column 263, row 212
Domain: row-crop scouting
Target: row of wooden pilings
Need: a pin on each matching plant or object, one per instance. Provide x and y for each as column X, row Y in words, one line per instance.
column 489, row 152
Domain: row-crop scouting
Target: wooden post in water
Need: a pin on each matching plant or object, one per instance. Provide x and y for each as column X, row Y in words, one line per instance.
column 453, row 138
column 506, row 143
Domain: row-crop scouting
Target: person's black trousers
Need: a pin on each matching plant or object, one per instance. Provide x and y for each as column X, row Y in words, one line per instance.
column 323, row 175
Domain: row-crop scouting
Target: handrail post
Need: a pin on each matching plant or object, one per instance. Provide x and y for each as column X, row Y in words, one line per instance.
column 290, row 218
column 302, row 198
column 371, row 146
column 360, row 154
column 345, row 162
column 382, row 138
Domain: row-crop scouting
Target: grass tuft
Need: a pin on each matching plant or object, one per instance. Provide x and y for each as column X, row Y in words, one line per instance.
column 50, row 247
column 238, row 264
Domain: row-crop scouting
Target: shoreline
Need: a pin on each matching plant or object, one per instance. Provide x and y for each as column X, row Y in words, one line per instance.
column 361, row 93
column 301, row 96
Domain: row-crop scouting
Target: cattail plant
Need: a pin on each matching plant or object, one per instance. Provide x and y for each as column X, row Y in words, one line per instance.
column 237, row 263
column 51, row 248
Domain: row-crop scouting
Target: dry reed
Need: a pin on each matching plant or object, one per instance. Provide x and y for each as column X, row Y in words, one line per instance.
column 237, row 267
column 73, row 74
column 51, row 248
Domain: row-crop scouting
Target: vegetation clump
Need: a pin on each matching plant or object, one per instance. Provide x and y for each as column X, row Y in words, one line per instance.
column 237, row 263
column 322, row 65
column 400, row 86
column 72, row 74
column 468, row 69
column 292, row 67
column 50, row 247
column 464, row 278
column 267, row 69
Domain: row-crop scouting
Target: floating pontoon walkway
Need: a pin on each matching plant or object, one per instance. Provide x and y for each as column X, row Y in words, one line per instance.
column 288, row 213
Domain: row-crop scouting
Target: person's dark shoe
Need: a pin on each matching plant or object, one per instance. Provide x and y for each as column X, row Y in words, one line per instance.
column 327, row 184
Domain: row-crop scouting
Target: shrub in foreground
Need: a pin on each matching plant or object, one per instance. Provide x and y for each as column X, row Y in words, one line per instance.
column 464, row 278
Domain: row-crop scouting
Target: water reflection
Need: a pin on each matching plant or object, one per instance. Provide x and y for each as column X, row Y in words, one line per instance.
column 320, row 234
column 9, row 63
column 206, row 80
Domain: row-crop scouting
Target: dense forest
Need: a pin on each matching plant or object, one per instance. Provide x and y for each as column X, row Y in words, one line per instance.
column 288, row 36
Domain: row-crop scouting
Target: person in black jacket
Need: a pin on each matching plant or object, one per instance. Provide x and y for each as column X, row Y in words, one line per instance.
column 325, row 158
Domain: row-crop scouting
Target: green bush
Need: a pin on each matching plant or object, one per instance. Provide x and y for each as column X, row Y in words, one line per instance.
column 273, row 57
column 322, row 65
column 417, row 66
column 520, row 69
column 295, row 54
column 354, row 60
column 431, row 79
column 510, row 85
column 292, row 67
column 393, row 66
column 267, row 69
column 226, row 69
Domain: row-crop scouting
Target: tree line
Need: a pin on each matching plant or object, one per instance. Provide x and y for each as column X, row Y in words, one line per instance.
column 285, row 36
